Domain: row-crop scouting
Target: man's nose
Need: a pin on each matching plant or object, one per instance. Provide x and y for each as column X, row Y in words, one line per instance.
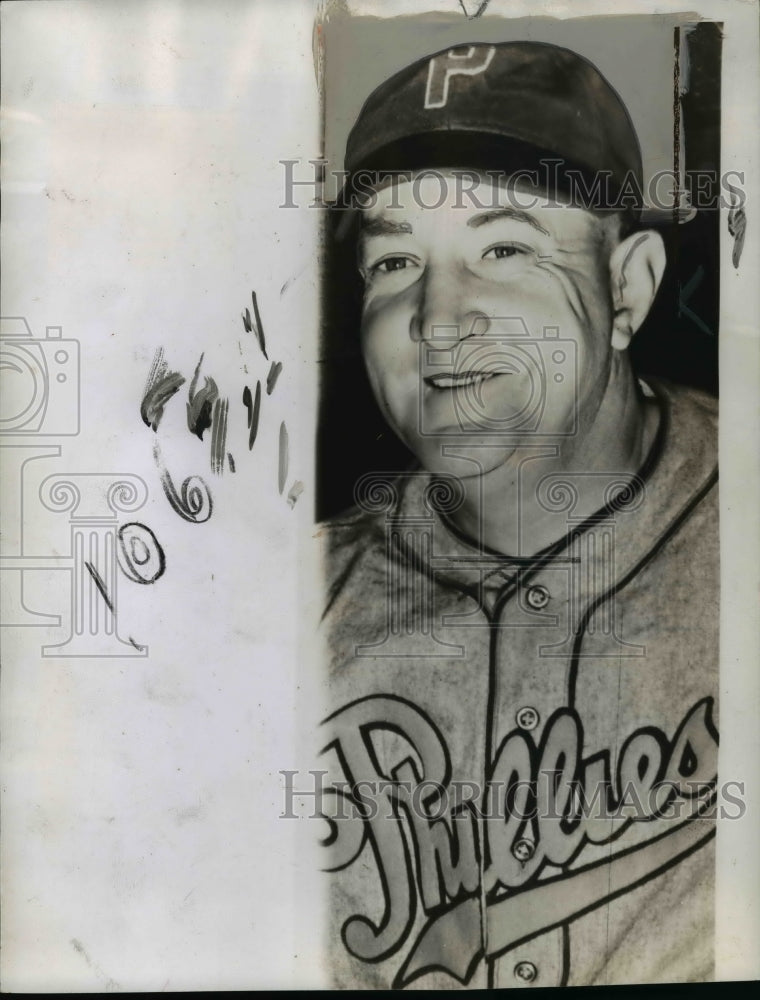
column 445, row 310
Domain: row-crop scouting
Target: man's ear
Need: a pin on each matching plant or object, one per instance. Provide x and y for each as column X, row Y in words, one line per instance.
column 636, row 268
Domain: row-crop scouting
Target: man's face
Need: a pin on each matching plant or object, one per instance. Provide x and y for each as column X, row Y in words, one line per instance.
column 486, row 319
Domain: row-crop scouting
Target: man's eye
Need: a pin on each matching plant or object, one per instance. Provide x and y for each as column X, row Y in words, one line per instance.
column 503, row 250
column 391, row 264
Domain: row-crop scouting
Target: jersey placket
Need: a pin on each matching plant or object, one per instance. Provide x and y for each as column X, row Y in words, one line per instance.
column 536, row 640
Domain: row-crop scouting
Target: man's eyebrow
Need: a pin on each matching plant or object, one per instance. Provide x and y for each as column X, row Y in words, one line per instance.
column 383, row 227
column 482, row 218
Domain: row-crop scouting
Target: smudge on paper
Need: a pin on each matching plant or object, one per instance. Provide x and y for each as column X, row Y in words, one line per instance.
column 160, row 386
column 200, row 402
column 282, row 471
column 274, row 374
column 294, row 493
column 255, row 325
column 253, row 406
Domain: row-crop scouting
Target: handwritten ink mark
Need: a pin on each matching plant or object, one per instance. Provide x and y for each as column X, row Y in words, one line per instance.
column 194, row 503
column 219, row 436
column 478, row 12
column 282, row 470
column 160, row 386
column 274, row 374
column 291, row 279
column 255, row 325
column 737, row 226
column 294, row 493
column 230, row 461
column 201, row 402
column 138, row 646
column 98, row 581
column 254, row 407
column 141, row 558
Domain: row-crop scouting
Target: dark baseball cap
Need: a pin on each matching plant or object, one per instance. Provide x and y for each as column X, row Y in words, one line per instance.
column 505, row 106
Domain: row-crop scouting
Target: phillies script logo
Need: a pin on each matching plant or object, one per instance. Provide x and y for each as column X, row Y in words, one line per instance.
column 489, row 864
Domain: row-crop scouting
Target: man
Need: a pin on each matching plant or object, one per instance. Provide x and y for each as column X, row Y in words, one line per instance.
column 522, row 750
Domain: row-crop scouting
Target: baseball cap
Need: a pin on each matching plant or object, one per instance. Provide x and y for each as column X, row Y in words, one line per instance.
column 504, row 106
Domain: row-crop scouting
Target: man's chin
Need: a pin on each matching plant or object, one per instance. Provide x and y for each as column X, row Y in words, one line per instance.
column 465, row 456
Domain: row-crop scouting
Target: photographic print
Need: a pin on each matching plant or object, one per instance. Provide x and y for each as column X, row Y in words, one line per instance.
column 379, row 429
column 519, row 472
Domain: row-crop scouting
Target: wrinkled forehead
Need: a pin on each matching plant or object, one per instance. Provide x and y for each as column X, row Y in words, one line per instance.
column 429, row 198
column 457, row 188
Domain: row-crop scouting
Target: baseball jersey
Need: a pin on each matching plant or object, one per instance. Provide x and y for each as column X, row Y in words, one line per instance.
column 520, row 754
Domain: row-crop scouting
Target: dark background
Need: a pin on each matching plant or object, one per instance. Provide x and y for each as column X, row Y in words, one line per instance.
column 678, row 341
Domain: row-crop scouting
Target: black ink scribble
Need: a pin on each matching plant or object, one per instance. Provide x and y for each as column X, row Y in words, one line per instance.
column 253, row 406
column 230, row 461
column 200, row 402
column 219, row 435
column 161, row 385
column 194, row 503
column 294, row 493
column 141, row 558
column 737, row 226
column 478, row 12
column 98, row 581
column 255, row 326
column 274, row 374
column 282, row 470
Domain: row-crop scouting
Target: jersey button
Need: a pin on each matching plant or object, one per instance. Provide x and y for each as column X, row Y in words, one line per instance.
column 523, row 849
column 527, row 717
column 537, row 597
column 526, row 972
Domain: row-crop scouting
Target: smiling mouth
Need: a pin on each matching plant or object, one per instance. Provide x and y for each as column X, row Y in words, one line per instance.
column 459, row 380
